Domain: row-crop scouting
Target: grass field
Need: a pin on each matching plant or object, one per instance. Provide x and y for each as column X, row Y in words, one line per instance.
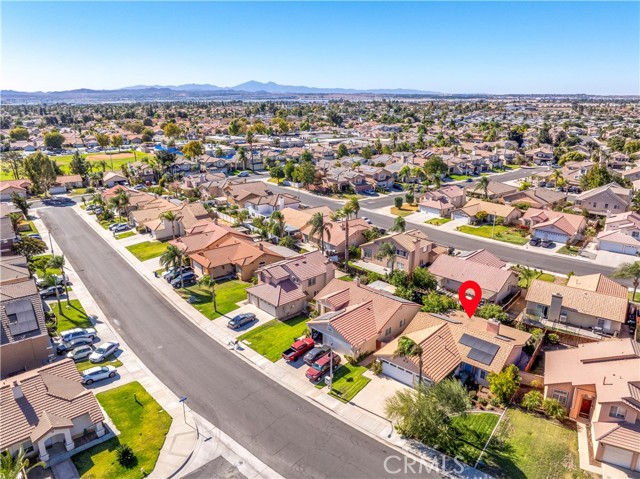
column 271, row 338
column 474, row 431
column 438, row 221
column 347, row 382
column 228, row 294
column 126, row 234
column 147, row 249
column 525, row 283
column 570, row 251
column 143, row 425
column 42, row 260
column 74, row 317
column 532, row 447
column 501, row 233
column 406, row 210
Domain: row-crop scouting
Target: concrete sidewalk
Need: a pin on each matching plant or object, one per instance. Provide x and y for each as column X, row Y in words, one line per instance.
column 366, row 421
column 184, row 442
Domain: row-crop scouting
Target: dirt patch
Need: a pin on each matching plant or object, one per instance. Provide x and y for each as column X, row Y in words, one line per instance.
column 116, row 156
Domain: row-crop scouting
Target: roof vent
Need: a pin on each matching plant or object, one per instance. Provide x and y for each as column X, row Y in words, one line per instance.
column 17, row 390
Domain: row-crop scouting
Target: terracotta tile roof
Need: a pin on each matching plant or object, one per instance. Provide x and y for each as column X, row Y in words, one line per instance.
column 299, row 218
column 458, row 269
column 623, row 435
column 211, row 236
column 618, row 237
column 591, row 303
column 52, row 395
column 357, row 323
column 475, row 206
column 483, row 256
column 284, row 292
column 302, row 267
column 13, row 269
column 599, row 283
column 231, row 251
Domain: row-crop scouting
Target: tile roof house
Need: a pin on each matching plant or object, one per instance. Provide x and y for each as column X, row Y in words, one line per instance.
column 207, row 235
column 265, row 205
column 20, row 187
column 605, row 200
column 335, row 239
column 240, row 193
column 554, row 225
column 443, row 200
column 536, row 198
column 413, row 250
column 284, row 288
column 13, row 269
column 454, row 344
column 621, row 234
column 586, row 306
column 233, row 258
column 298, row 218
column 46, row 406
column 600, row 382
column 496, row 281
column 354, row 319
column 468, row 212
column 24, row 340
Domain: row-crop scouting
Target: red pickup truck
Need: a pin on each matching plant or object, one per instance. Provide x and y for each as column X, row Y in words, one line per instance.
column 298, row 349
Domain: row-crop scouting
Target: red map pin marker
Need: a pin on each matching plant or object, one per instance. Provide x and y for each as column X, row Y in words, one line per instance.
column 470, row 304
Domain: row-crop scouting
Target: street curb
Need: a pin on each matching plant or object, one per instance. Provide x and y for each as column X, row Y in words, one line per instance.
column 132, row 260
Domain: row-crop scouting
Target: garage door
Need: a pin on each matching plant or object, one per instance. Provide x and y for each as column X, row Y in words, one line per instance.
column 617, row 456
column 399, row 374
column 460, row 217
column 613, row 247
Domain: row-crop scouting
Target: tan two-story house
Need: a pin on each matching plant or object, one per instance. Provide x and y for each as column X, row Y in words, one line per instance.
column 413, row 249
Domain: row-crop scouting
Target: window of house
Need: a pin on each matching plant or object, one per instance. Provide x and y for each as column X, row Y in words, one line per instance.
column 387, row 331
column 615, row 207
column 399, row 265
column 606, row 205
column 561, row 396
column 401, row 322
column 312, row 281
column 367, row 253
column 483, row 374
column 617, row 412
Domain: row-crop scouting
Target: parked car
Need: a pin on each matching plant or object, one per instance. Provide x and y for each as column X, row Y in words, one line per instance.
column 315, row 354
column 321, row 367
column 98, row 373
column 40, row 281
column 240, row 320
column 35, row 236
column 121, row 227
column 176, row 273
column 298, row 349
column 75, row 333
column 535, row 241
column 243, row 174
column 81, row 352
column 65, row 347
column 188, row 279
column 51, row 291
column 103, row 351
column 113, row 226
column 367, row 219
column 547, row 243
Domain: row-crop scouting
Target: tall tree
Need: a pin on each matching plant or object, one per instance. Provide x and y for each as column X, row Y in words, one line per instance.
column 630, row 271
column 16, row 467
column 387, row 251
column 193, row 150
column 277, row 224
column 208, row 282
column 399, row 224
column 21, row 203
column 173, row 257
column 320, row 228
column 40, row 170
column 354, row 204
column 57, row 261
column 483, row 184
column 79, row 165
column 408, row 348
column 171, row 217
column 12, row 162
column 53, row 139
column 344, row 214
column 103, row 140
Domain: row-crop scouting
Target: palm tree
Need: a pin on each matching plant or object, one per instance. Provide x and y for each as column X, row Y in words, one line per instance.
column 320, row 228
column 354, row 204
column 630, row 271
column 97, row 199
column 527, row 274
column 59, row 262
column 399, row 224
column 404, row 173
column 249, row 139
column 124, row 200
column 387, row 251
column 408, row 348
column 276, row 224
column 16, row 467
column 242, row 157
column 417, row 172
column 103, row 165
column 483, row 184
column 558, row 179
column 208, row 282
column 173, row 257
column 344, row 213
column 171, row 217
column 16, row 219
column 242, row 214
column 52, row 280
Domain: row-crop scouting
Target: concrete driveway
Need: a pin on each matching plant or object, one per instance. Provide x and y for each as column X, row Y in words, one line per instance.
column 245, row 307
column 373, row 395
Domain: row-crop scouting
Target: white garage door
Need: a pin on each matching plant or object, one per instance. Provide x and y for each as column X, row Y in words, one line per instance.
column 617, row 456
column 553, row 236
column 399, row 374
column 613, row 247
column 460, row 217
column 433, row 211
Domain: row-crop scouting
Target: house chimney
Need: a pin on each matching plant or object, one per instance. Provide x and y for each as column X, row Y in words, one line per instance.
column 555, row 307
column 280, row 202
column 357, row 281
column 493, row 326
column 17, row 390
column 260, row 246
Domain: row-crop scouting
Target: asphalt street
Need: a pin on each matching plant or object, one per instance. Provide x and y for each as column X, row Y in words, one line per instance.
column 295, row 438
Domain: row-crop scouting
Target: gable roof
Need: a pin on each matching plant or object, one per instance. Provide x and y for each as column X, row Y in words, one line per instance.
column 599, row 283
column 489, row 277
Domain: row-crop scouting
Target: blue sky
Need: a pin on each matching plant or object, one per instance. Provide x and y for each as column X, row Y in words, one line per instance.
column 455, row 47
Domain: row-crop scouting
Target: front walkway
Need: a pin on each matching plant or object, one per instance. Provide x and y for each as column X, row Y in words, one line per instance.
column 364, row 420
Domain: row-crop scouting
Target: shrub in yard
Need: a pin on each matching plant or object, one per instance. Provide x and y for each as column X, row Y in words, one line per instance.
column 493, row 311
column 376, row 367
column 473, row 395
column 398, row 202
column 554, row 408
column 553, row 338
column 532, row 400
column 125, row 455
column 504, row 384
column 90, row 190
column 483, row 401
column 351, row 360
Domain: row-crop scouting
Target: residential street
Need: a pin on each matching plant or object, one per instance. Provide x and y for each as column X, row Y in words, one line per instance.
column 292, row 436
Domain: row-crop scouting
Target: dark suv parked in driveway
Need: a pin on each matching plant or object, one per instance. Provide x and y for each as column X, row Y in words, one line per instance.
column 315, row 354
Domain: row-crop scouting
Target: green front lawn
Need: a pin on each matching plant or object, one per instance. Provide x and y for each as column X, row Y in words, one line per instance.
column 32, row 228
column 228, row 295
column 438, row 221
column 126, row 234
column 636, row 299
column 571, row 250
column 473, row 430
column 40, row 263
column 74, row 317
column 147, row 249
column 111, row 361
column 106, row 223
column 143, row 425
column 530, row 446
column 406, row 210
column 347, row 382
column 271, row 338
column 500, row 233
column 525, row 283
